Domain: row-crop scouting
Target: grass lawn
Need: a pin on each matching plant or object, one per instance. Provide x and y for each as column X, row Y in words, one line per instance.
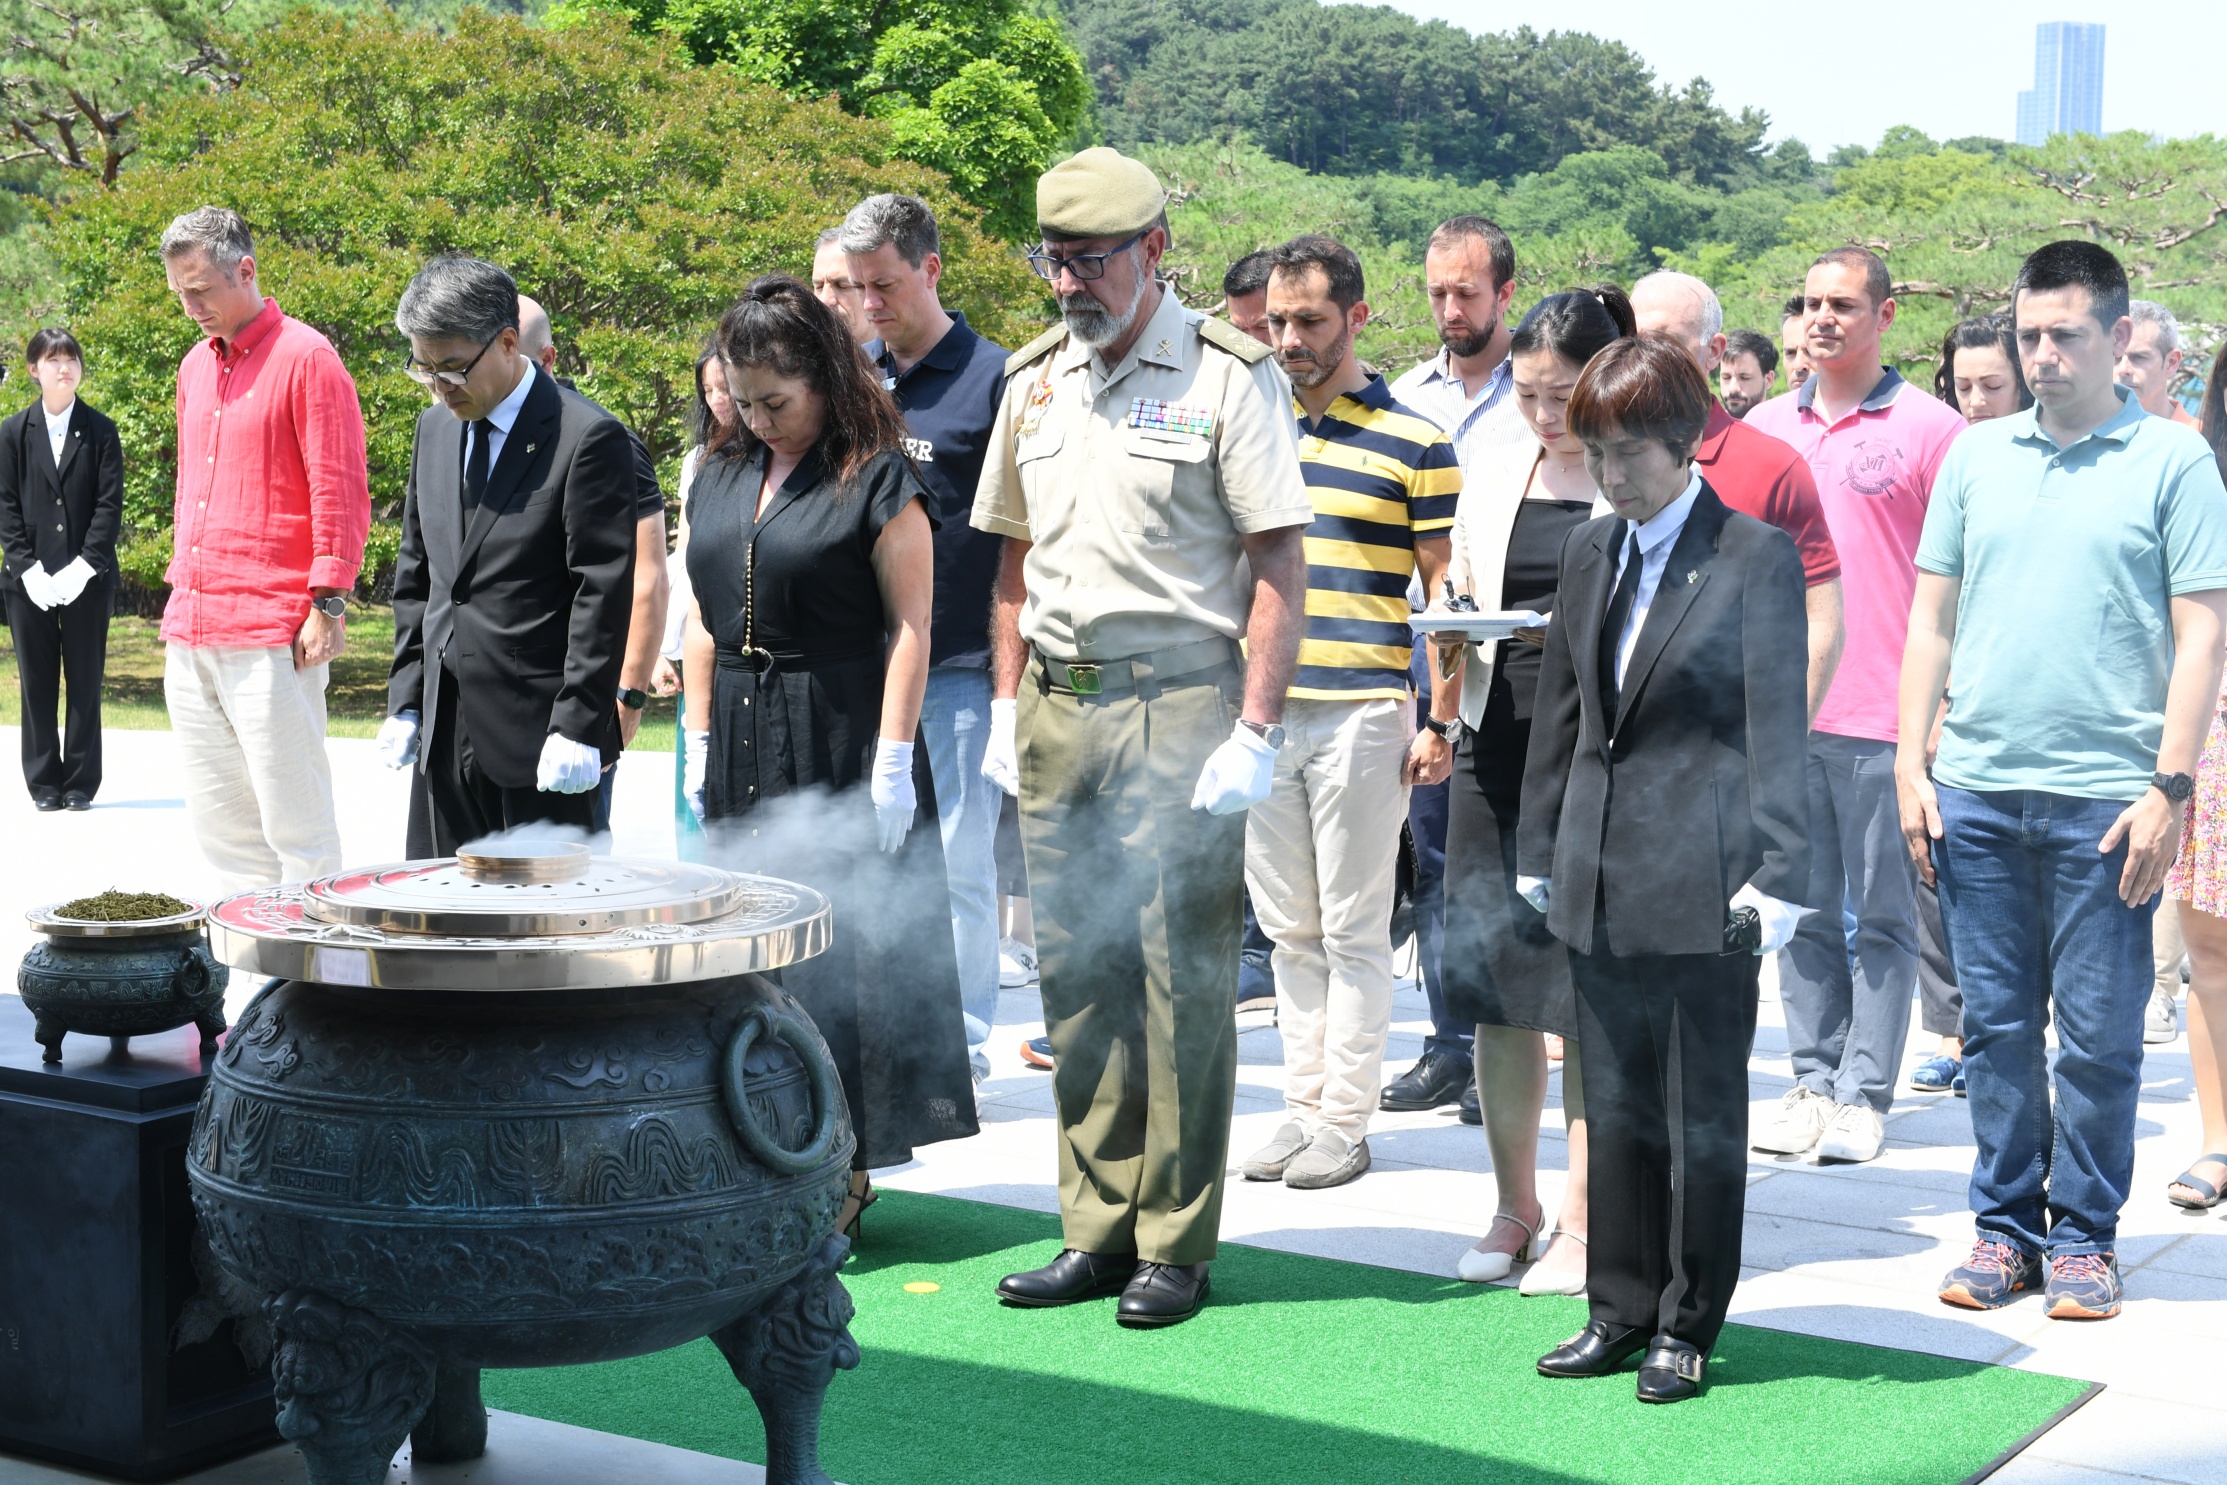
column 355, row 701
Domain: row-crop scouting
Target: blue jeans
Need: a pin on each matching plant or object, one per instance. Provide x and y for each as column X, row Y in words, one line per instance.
column 2034, row 922
column 955, row 724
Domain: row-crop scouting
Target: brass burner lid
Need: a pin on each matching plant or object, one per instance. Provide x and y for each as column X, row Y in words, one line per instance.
column 541, row 915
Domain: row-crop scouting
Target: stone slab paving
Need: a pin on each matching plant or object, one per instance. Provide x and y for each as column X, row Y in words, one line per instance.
column 1849, row 1251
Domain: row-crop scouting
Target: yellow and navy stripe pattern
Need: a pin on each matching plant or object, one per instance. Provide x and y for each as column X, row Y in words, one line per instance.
column 1380, row 476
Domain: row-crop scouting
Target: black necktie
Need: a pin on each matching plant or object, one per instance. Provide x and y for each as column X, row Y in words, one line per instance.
column 475, row 466
column 1612, row 629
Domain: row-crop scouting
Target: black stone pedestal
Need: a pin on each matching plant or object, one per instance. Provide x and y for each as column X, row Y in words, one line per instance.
column 96, row 1227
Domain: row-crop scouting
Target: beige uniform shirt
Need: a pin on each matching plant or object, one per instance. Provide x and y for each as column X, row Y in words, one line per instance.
column 1134, row 484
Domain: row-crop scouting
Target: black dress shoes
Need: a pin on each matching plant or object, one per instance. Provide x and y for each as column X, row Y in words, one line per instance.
column 1163, row 1294
column 1472, row 1112
column 77, row 800
column 1671, row 1372
column 1434, row 1080
column 1595, row 1351
column 47, row 800
column 1071, row 1277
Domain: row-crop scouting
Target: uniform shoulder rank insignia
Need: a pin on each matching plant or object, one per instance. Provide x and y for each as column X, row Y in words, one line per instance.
column 1171, row 417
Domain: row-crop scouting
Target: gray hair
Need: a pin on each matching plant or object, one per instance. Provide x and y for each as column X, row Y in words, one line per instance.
column 902, row 222
column 217, row 231
column 827, row 238
column 1712, row 313
column 459, row 297
column 2150, row 312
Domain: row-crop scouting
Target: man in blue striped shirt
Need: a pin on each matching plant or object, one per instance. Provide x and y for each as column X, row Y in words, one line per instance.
column 1320, row 850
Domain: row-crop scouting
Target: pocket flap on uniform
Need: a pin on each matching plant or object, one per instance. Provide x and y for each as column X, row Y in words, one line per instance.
column 1041, row 444
column 1151, row 443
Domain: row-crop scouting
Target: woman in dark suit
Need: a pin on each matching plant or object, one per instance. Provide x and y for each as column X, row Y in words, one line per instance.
column 810, row 561
column 61, row 497
column 1665, row 835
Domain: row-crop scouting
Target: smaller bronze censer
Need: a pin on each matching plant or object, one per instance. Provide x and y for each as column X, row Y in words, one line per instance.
column 121, row 965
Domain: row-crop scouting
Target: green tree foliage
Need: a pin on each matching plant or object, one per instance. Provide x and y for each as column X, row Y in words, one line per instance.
column 1352, row 90
column 632, row 194
column 984, row 90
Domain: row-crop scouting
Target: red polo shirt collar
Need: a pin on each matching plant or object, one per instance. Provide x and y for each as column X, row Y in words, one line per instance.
column 258, row 330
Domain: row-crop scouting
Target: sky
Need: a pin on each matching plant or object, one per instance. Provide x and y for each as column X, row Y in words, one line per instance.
column 1947, row 69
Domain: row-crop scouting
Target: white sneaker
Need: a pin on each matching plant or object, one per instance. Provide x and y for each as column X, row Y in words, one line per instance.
column 1016, row 964
column 1854, row 1135
column 1801, row 1118
column 2163, row 1022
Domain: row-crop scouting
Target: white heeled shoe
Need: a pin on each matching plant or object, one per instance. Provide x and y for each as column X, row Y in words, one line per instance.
column 1478, row 1267
column 1536, row 1282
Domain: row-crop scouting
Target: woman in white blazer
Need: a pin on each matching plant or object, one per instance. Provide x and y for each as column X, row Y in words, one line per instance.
column 1502, row 969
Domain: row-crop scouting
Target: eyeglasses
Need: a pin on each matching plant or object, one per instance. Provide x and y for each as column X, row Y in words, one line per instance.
column 1083, row 265
column 426, row 376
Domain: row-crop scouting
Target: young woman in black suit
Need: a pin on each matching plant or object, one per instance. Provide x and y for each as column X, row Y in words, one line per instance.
column 61, row 498
column 1665, row 835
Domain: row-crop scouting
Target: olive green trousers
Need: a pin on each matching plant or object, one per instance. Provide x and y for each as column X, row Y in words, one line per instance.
column 1138, row 906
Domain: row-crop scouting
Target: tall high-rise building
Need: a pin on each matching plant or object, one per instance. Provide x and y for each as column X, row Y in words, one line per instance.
column 2067, row 95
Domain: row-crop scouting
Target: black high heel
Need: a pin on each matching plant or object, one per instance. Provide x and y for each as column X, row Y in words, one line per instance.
column 855, row 1202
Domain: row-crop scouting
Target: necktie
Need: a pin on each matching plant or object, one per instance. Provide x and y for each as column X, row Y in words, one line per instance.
column 475, row 466
column 1612, row 629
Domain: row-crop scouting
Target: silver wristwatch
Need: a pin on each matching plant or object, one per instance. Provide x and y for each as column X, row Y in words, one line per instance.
column 333, row 607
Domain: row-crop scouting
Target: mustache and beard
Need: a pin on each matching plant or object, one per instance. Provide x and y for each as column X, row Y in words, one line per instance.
column 1307, row 369
column 1466, row 342
column 1092, row 323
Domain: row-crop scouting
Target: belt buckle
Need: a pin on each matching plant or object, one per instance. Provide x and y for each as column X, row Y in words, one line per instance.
column 1085, row 680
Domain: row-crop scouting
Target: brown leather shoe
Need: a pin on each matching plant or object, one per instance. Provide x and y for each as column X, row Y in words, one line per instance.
column 1071, row 1277
column 1163, row 1294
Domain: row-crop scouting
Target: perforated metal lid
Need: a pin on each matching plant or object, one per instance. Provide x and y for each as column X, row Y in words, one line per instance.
column 522, row 916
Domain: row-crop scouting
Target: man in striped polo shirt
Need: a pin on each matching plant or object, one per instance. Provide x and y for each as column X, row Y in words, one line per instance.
column 1320, row 850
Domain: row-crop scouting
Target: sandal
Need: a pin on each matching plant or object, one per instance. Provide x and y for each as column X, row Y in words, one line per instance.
column 1534, row 1283
column 855, row 1202
column 2212, row 1193
column 1480, row 1267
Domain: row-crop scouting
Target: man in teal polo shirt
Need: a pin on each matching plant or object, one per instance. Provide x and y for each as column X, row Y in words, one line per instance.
column 2073, row 575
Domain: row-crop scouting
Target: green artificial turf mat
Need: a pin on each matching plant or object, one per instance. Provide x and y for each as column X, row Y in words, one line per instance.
column 1300, row 1370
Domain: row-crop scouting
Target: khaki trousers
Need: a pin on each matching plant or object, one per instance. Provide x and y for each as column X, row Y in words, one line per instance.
column 1320, row 858
column 1137, row 904
column 251, row 732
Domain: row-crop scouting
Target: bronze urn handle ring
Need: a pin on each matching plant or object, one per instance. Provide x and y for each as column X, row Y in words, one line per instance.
column 819, row 1070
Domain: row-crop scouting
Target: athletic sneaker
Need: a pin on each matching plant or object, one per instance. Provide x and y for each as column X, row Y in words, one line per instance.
column 1992, row 1277
column 1937, row 1074
column 1854, row 1134
column 1801, row 1118
column 1037, row 1052
column 2163, row 1021
column 1016, row 964
column 2084, row 1286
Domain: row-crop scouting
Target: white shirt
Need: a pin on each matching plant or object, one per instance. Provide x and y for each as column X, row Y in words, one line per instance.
column 505, row 414
column 1476, row 425
column 1657, row 535
column 58, row 430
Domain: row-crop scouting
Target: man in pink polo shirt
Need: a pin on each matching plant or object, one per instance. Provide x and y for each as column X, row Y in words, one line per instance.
column 272, row 506
column 1873, row 442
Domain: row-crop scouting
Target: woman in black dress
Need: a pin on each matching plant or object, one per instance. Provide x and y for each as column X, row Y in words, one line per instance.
column 1502, row 969
column 809, row 557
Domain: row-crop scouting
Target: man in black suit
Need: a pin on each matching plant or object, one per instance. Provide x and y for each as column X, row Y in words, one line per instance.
column 1665, row 834
column 516, row 574
column 61, row 497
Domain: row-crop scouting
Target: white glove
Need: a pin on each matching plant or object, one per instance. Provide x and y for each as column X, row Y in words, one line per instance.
column 1001, row 760
column 1238, row 774
column 695, row 759
column 1779, row 919
column 38, row 586
column 1534, row 890
column 892, row 792
column 567, row 767
column 398, row 740
column 68, row 584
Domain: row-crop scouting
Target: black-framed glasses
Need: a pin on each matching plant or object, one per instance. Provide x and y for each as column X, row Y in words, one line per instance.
column 1083, row 265
column 426, row 376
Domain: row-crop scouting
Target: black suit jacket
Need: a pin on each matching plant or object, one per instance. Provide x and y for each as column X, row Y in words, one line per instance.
column 526, row 602
column 1697, row 786
column 52, row 515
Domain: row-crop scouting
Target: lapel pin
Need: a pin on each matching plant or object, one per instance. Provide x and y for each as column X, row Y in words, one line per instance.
column 1692, row 576
column 531, row 447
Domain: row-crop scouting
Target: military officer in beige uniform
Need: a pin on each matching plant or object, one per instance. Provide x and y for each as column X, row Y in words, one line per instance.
column 1144, row 473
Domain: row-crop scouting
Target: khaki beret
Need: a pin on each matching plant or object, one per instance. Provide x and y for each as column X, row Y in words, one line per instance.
column 1098, row 193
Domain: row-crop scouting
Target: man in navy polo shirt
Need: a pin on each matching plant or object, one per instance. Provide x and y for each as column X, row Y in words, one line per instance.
column 947, row 381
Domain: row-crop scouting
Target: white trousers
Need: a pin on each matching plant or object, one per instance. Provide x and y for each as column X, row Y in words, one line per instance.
column 1320, row 854
column 259, row 789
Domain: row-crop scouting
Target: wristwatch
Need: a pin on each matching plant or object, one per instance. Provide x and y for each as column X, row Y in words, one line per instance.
column 634, row 698
column 2174, row 786
column 1449, row 730
column 333, row 607
column 1270, row 732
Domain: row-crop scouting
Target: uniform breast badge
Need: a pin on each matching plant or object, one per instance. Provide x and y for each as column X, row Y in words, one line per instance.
column 1171, row 417
column 1039, row 398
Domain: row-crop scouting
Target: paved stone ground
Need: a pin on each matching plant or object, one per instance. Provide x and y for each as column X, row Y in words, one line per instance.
column 1851, row 1251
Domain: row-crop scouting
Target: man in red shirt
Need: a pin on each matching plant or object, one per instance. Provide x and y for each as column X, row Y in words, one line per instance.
column 1753, row 472
column 272, row 506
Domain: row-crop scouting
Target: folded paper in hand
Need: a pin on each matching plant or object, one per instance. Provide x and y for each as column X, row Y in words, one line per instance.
column 1478, row 628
